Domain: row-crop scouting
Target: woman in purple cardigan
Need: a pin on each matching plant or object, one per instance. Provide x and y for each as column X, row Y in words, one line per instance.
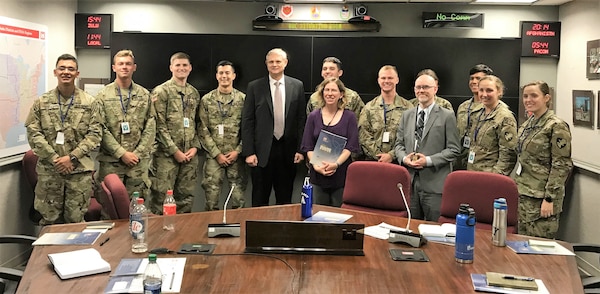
column 328, row 178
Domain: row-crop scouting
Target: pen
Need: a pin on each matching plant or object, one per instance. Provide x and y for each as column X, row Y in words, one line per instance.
column 172, row 279
column 518, row 278
column 104, row 242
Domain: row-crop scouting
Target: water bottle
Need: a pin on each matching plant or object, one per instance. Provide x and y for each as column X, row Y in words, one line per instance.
column 132, row 205
column 307, row 198
column 169, row 210
column 465, row 234
column 139, row 228
column 499, row 222
column 152, row 276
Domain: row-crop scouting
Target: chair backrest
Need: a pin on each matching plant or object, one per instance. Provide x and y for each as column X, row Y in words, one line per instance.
column 479, row 189
column 29, row 163
column 373, row 186
column 116, row 198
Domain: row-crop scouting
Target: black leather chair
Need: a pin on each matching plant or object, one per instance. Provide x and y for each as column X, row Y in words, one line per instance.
column 14, row 274
column 591, row 283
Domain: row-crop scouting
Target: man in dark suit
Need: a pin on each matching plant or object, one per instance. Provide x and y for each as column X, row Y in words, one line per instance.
column 272, row 125
column 426, row 143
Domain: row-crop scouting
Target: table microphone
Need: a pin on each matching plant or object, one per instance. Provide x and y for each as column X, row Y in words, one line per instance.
column 406, row 236
column 224, row 229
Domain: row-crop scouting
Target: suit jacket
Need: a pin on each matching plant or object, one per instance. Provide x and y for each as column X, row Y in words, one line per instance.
column 440, row 142
column 257, row 119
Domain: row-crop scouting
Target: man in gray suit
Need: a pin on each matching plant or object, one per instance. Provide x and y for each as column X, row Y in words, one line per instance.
column 273, row 120
column 426, row 143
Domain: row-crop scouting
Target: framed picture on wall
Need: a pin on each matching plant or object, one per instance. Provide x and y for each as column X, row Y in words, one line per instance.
column 593, row 60
column 583, row 108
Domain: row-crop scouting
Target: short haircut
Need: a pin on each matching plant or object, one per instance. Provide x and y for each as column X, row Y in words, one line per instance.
column 388, row 67
column 67, row 57
column 225, row 63
column 343, row 100
column 277, row 51
column 124, row 53
column 428, row 72
column 180, row 55
column 481, row 68
column 333, row 60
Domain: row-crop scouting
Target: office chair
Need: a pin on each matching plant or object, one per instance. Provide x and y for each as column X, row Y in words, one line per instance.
column 591, row 282
column 114, row 197
column 29, row 164
column 8, row 275
column 479, row 189
column 373, row 187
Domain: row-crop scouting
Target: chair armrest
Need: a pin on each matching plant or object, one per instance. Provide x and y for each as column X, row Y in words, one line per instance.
column 10, row 274
column 581, row 247
column 19, row 239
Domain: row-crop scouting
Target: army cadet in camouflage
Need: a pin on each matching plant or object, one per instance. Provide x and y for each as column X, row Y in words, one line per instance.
column 63, row 127
column 494, row 134
column 332, row 68
column 438, row 100
column 379, row 119
column 544, row 164
column 220, row 113
column 129, row 126
column 175, row 162
column 467, row 113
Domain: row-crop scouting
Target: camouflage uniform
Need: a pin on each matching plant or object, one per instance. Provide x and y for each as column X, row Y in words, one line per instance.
column 63, row 198
column 224, row 111
column 353, row 103
column 544, row 149
column 133, row 106
column 438, row 100
column 372, row 125
column 171, row 135
column 494, row 146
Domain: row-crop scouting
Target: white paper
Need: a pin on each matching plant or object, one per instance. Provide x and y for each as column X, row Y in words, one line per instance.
column 382, row 231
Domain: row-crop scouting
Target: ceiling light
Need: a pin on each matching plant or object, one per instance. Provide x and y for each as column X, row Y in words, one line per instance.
column 505, row 2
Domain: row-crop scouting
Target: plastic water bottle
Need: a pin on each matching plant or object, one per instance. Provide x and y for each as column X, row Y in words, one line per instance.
column 152, row 276
column 499, row 222
column 307, row 198
column 169, row 210
column 132, row 205
column 465, row 234
column 139, row 228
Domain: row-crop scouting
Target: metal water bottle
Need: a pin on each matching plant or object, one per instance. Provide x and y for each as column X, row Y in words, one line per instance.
column 465, row 234
column 499, row 222
column 307, row 198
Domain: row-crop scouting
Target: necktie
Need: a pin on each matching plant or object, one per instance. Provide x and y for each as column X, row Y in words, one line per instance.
column 278, row 122
column 420, row 125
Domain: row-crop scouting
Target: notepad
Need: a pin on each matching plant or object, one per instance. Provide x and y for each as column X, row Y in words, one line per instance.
column 480, row 284
column 78, row 263
column 73, row 238
column 128, row 276
column 510, row 281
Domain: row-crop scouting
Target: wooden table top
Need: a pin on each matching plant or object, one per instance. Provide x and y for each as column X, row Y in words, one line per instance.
column 229, row 270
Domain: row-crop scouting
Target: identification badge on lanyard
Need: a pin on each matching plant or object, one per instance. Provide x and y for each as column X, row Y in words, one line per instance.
column 186, row 122
column 125, row 128
column 471, row 157
column 386, row 137
column 60, row 138
column 466, row 141
column 220, row 129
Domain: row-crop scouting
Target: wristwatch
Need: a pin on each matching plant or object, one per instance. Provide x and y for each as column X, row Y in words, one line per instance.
column 548, row 199
column 73, row 159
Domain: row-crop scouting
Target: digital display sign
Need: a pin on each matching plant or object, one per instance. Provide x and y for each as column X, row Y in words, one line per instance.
column 93, row 30
column 540, row 39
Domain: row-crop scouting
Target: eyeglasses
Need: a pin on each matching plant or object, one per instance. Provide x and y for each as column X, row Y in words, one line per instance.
column 425, row 87
column 64, row 68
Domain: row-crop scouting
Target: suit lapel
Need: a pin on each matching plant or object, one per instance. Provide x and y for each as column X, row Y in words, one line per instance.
column 269, row 95
column 288, row 96
column 410, row 129
column 433, row 115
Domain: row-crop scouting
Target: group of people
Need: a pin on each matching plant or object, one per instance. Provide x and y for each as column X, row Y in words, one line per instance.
column 152, row 139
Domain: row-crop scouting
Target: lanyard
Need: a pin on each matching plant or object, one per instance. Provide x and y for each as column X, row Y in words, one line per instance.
column 477, row 126
column 528, row 129
column 123, row 106
column 384, row 113
column 184, row 102
column 469, row 115
column 226, row 112
column 63, row 117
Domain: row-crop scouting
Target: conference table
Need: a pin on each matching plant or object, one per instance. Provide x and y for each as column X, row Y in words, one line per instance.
column 230, row 270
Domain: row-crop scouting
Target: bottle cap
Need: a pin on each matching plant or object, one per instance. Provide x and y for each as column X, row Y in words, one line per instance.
column 140, row 201
column 169, row 192
column 136, row 194
column 152, row 257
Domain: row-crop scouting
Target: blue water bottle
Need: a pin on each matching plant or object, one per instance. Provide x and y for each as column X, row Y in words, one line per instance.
column 465, row 234
column 307, row 198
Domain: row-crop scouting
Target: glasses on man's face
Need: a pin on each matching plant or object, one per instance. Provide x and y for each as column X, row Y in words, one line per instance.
column 66, row 68
column 425, row 87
